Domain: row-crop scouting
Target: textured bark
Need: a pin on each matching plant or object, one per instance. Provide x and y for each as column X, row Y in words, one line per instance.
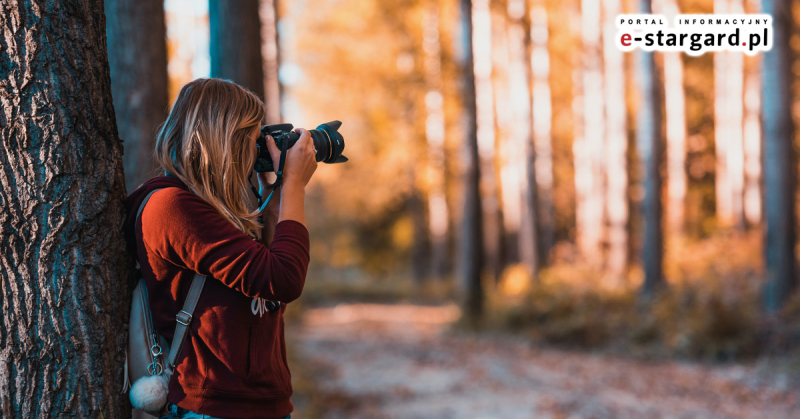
column 235, row 33
column 137, row 54
column 471, row 254
column 650, row 148
column 63, row 278
column 779, row 170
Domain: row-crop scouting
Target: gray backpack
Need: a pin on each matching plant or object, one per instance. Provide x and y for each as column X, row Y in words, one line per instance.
column 149, row 358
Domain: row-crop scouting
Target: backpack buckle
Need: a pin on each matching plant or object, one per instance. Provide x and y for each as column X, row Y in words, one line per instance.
column 183, row 318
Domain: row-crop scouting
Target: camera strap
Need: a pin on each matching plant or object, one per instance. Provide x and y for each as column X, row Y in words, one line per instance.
column 274, row 186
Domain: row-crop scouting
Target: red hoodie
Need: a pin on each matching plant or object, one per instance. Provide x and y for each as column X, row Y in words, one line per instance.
column 233, row 362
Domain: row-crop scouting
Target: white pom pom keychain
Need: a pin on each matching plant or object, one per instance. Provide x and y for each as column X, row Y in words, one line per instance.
column 149, row 393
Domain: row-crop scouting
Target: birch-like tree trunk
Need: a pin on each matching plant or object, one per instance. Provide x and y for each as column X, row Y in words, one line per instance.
column 650, row 148
column 235, row 44
column 63, row 282
column 542, row 113
column 268, row 10
column 616, row 147
column 507, row 185
column 779, row 163
column 589, row 149
column 520, row 144
column 471, row 246
column 484, row 97
column 438, row 211
column 137, row 54
column 728, row 127
column 752, row 133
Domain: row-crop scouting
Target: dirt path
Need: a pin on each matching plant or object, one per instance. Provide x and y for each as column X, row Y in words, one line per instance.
column 402, row 361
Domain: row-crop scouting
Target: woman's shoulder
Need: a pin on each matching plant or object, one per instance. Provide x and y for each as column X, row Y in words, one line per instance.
column 173, row 204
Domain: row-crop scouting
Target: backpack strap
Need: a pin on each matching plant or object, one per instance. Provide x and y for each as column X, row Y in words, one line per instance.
column 184, row 317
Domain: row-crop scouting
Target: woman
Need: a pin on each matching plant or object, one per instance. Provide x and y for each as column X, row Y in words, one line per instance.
column 233, row 362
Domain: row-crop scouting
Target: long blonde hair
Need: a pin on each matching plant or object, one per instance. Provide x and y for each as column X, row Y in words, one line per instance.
column 206, row 142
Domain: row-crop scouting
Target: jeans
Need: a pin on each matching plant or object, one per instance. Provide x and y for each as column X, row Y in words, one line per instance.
column 176, row 412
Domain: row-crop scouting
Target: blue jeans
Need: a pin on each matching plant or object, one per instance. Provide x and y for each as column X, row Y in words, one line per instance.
column 176, row 412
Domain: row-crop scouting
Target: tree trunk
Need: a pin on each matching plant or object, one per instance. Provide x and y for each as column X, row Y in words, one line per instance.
column 137, row 54
column 616, row 149
column 520, row 145
column 728, row 107
column 471, row 253
column 779, row 170
column 65, row 298
column 542, row 118
column 752, row 141
column 438, row 211
column 589, row 148
column 271, row 53
column 650, row 149
column 235, row 34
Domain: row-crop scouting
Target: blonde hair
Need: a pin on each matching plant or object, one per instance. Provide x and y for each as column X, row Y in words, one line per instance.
column 206, row 142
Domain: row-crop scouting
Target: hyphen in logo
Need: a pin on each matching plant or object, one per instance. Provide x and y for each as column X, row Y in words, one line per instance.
column 696, row 34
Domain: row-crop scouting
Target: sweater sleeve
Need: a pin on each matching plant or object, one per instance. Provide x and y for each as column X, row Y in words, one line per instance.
column 185, row 230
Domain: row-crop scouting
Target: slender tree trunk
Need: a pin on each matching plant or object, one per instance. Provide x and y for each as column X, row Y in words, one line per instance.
column 616, row 149
column 676, row 132
column 270, row 51
column 64, row 297
column 650, row 148
column 674, row 98
column 484, row 98
column 520, row 145
column 752, row 133
column 728, row 107
column 507, row 185
column 235, row 34
column 438, row 211
column 542, row 139
column 472, row 240
column 590, row 150
column 752, row 142
column 779, row 170
column 137, row 54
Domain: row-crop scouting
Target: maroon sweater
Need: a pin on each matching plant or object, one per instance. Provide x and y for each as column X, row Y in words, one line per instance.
column 233, row 363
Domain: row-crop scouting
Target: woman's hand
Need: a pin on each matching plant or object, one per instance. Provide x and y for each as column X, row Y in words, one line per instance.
column 298, row 168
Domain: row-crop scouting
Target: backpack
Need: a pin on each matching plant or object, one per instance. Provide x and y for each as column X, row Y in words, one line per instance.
column 149, row 358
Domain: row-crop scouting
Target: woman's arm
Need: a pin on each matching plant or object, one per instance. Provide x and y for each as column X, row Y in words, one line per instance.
column 300, row 164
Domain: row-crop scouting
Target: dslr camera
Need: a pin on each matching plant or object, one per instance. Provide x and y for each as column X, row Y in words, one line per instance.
column 328, row 143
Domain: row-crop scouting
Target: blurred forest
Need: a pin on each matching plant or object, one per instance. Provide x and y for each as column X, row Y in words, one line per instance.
column 506, row 155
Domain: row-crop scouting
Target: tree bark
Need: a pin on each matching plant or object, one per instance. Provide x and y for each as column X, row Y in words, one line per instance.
column 650, row 148
column 779, row 170
column 471, row 253
column 137, row 54
column 235, row 34
column 65, row 298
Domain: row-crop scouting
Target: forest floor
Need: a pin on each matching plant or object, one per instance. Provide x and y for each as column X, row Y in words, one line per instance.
column 406, row 361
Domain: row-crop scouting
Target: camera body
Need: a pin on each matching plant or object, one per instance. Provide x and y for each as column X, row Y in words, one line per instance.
column 328, row 143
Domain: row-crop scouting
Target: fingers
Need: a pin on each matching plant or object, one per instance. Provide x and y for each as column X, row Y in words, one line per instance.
column 272, row 147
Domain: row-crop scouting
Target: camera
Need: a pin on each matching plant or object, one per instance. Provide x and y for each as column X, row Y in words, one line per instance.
column 328, row 143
